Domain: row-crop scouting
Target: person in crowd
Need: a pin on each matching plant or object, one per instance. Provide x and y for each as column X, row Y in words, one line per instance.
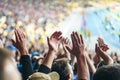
column 108, row 72
column 8, row 67
column 64, row 69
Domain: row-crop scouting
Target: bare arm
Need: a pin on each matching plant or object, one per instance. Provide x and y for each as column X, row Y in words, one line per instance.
column 20, row 44
column 90, row 63
column 53, row 43
column 78, row 51
column 107, row 59
column 101, row 50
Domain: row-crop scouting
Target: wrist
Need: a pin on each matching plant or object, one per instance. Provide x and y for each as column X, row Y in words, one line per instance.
column 52, row 51
column 80, row 56
column 24, row 52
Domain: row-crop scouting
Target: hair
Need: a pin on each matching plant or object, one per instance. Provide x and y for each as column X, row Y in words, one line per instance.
column 109, row 72
column 63, row 68
column 7, row 64
column 4, row 55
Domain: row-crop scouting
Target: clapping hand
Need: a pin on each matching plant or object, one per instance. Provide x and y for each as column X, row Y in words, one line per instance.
column 54, row 41
column 78, row 44
column 102, row 45
column 20, row 42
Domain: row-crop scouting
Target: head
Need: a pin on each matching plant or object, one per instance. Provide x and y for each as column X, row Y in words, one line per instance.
column 42, row 76
column 109, row 72
column 64, row 69
column 8, row 67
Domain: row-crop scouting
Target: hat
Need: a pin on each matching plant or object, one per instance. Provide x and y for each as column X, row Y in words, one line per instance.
column 42, row 76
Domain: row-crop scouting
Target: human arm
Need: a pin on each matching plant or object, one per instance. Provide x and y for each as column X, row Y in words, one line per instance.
column 91, row 66
column 106, row 58
column 53, row 43
column 66, row 42
column 101, row 50
column 20, row 44
column 78, row 51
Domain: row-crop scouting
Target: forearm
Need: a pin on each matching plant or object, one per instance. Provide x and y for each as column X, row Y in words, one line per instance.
column 90, row 65
column 107, row 59
column 49, row 59
column 83, row 73
column 27, row 69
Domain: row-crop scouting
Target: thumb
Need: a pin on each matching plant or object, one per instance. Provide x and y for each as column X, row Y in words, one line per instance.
column 68, row 49
column 96, row 47
column 48, row 41
column 13, row 42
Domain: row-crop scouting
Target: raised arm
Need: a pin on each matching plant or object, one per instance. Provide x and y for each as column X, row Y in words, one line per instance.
column 91, row 66
column 78, row 51
column 66, row 42
column 106, row 58
column 20, row 44
column 53, row 43
column 101, row 50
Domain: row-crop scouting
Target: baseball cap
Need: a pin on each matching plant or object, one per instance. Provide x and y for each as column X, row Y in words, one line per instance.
column 42, row 76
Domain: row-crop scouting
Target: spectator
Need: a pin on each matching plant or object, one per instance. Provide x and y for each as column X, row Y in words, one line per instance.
column 109, row 72
column 8, row 67
column 64, row 69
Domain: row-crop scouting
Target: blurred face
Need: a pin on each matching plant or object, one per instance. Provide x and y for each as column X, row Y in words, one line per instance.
column 10, row 71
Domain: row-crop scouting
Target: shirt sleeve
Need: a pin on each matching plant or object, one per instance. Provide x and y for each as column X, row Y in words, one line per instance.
column 27, row 69
column 44, row 69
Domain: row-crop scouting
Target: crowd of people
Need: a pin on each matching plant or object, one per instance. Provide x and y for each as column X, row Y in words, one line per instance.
column 53, row 58
column 35, row 17
column 69, row 62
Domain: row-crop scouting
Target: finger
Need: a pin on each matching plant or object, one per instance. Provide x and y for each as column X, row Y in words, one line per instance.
column 58, row 35
column 105, row 48
column 60, row 38
column 77, row 37
column 68, row 41
column 96, row 47
column 81, row 39
column 19, row 35
column 99, row 49
column 22, row 34
column 100, row 41
column 16, row 36
column 48, row 40
column 53, row 35
column 13, row 42
column 68, row 49
column 73, row 40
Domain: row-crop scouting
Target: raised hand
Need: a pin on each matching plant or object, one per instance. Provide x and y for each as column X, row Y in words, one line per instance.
column 78, row 51
column 54, row 40
column 100, row 52
column 102, row 45
column 78, row 44
column 66, row 43
column 53, row 43
column 20, row 42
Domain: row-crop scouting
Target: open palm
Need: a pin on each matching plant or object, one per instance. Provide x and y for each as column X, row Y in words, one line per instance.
column 54, row 40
